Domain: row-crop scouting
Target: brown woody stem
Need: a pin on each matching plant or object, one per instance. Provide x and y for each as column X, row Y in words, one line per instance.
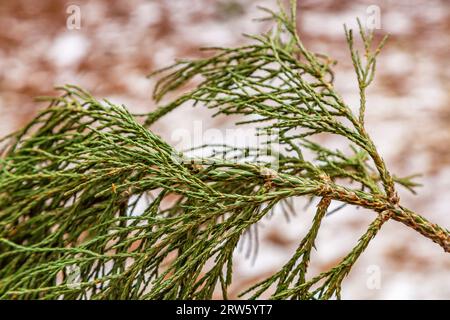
column 430, row 230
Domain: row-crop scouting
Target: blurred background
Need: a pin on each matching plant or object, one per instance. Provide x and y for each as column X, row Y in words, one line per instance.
column 115, row 44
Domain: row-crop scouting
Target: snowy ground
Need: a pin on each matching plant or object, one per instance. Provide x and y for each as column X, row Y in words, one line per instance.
column 408, row 115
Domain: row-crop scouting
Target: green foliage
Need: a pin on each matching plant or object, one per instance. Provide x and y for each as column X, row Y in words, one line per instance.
column 73, row 181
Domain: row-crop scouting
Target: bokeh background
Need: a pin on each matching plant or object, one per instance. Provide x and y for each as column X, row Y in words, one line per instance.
column 120, row 42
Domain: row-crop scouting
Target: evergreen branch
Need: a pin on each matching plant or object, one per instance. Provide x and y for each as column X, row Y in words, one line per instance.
column 84, row 186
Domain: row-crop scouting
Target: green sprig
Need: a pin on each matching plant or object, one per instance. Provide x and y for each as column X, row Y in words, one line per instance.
column 86, row 187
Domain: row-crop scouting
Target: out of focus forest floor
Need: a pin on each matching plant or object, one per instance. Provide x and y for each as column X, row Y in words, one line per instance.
column 120, row 42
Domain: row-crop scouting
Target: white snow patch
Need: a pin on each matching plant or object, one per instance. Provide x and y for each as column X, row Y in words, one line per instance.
column 68, row 49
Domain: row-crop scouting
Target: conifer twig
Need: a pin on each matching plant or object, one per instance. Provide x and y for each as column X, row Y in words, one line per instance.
column 85, row 187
